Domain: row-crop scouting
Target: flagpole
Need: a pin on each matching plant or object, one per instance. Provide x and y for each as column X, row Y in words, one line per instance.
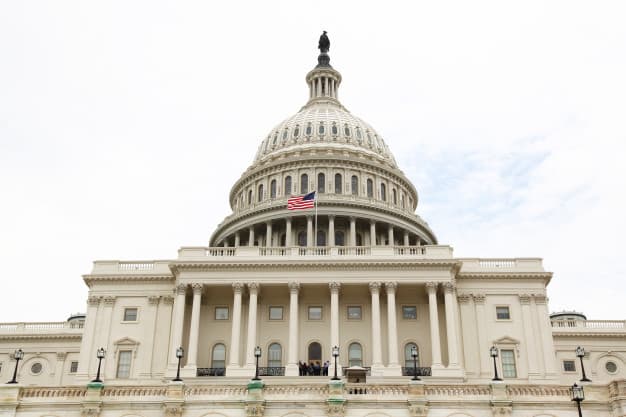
column 315, row 235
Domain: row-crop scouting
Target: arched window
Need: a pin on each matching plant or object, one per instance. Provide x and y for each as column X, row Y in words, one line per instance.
column 370, row 188
column 218, row 356
column 408, row 359
column 402, row 200
column 302, row 238
column 346, row 130
column 321, row 130
column 273, row 189
column 321, row 238
column 321, row 183
column 383, row 192
column 260, row 193
column 334, row 130
column 358, row 135
column 309, row 129
column 394, row 197
column 274, row 355
column 296, row 132
column 249, row 197
column 339, row 238
column 304, row 184
column 338, row 186
column 285, row 134
column 354, row 185
column 355, row 355
column 315, row 352
column 288, row 185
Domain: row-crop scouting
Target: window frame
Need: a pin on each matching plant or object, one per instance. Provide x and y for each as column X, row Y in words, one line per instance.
column 508, row 310
column 213, row 355
column 354, row 306
column 274, row 363
column 505, row 372
column 73, row 367
column 216, row 318
column 350, row 358
column 273, row 308
column 308, row 313
column 118, row 367
column 404, row 316
column 321, row 183
column 573, row 365
column 338, row 183
column 126, row 310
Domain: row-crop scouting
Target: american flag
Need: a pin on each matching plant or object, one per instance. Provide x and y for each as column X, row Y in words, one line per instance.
column 301, row 202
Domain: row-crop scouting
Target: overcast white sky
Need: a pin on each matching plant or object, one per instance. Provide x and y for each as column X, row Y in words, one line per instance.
column 123, row 125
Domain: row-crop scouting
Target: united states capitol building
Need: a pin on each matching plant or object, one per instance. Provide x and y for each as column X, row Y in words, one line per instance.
column 418, row 332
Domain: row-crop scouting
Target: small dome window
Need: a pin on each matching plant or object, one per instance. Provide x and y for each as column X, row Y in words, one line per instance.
column 334, row 129
column 275, row 139
column 358, row 134
column 285, row 134
column 36, row 368
column 309, row 129
column 321, row 129
column 346, row 130
column 369, row 139
column 296, row 131
column 611, row 367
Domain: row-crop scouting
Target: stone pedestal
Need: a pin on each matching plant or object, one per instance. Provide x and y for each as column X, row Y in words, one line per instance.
column 255, row 402
column 336, row 402
column 417, row 402
column 501, row 405
column 92, row 404
column 175, row 401
column 9, row 394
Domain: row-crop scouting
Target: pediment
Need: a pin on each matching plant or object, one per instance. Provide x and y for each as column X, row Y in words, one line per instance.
column 126, row 341
column 506, row 340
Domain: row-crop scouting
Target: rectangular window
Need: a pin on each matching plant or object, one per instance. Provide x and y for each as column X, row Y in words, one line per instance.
column 123, row 364
column 569, row 366
column 73, row 367
column 503, row 313
column 354, row 312
column 409, row 312
column 315, row 313
column 221, row 313
column 276, row 313
column 508, row 363
column 130, row 314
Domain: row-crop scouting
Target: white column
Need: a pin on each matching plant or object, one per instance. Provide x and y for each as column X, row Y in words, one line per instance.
column 225, row 242
column 352, row 231
column 545, row 330
column 309, row 231
column 418, row 241
column 251, row 236
column 334, row 321
column 58, row 369
column 177, row 322
column 192, row 348
column 481, row 330
column 434, row 323
column 268, row 237
column 88, row 344
column 236, row 327
column 288, row 240
column 451, row 325
column 372, row 233
column 237, row 239
column 150, row 321
column 253, row 289
column 390, row 235
column 331, row 231
column 377, row 358
column 393, row 326
column 292, row 360
column 326, row 86
column 531, row 355
column 406, row 238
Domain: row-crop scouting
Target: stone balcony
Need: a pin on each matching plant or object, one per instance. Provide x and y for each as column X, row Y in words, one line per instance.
column 41, row 328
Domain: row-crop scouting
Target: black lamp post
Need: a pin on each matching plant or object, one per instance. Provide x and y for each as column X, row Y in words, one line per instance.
column 257, row 355
column 580, row 352
column 494, row 354
column 335, row 355
column 18, row 355
column 414, row 355
column 180, row 352
column 100, row 355
column 578, row 395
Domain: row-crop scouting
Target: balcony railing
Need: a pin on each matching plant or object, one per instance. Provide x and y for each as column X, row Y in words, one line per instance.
column 271, row 370
column 590, row 324
column 421, row 371
column 211, row 372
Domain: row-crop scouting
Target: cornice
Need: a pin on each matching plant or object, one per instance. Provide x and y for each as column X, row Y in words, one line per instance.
column 303, row 264
column 621, row 334
column 505, row 275
column 47, row 336
column 92, row 278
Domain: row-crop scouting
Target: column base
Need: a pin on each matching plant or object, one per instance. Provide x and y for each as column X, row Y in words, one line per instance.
column 440, row 371
column 240, row 371
column 189, row 371
column 292, row 370
column 390, row 370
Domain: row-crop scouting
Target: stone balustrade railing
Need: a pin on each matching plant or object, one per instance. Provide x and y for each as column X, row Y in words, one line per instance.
column 564, row 325
column 25, row 327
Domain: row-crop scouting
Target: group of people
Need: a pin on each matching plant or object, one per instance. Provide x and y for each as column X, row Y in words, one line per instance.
column 313, row 369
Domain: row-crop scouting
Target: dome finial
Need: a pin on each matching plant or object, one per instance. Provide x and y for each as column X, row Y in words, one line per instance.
column 323, row 60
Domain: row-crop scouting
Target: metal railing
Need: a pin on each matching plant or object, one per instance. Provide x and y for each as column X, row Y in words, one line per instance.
column 271, row 371
column 211, row 372
column 421, row 371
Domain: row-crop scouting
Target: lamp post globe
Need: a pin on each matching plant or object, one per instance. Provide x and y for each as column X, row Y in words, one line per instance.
column 578, row 395
column 180, row 352
column 100, row 354
column 335, row 353
column 257, row 355
column 414, row 356
column 18, row 355
column 580, row 352
column 493, row 351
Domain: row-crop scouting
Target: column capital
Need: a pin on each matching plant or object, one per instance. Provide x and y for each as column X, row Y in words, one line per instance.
column 109, row 301
column 61, row 356
column 237, row 287
column 180, row 289
column 374, row 287
column 391, row 286
column 93, row 300
column 373, row 222
column 334, row 287
column 463, row 298
column 540, row 298
column 449, row 287
column 197, row 288
column 168, row 299
column 524, row 299
column 153, row 299
column 431, row 286
column 253, row 287
column 479, row 298
column 294, row 287
column 331, row 216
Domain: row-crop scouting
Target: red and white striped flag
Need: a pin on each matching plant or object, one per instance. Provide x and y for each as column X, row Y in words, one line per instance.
column 301, row 202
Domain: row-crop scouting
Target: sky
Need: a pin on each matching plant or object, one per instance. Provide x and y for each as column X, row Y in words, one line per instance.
column 123, row 125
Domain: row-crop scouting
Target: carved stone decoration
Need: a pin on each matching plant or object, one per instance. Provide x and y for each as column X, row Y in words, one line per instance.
column 524, row 299
column 540, row 299
column 431, row 286
column 92, row 300
column 254, row 287
column 154, row 300
column 61, row 356
column 237, row 287
column 294, row 287
column 418, row 409
column 109, row 301
column 479, row 298
column 391, row 286
column 449, row 287
column 197, row 288
column 501, row 410
column 374, row 287
column 463, row 298
column 255, row 409
column 172, row 410
column 334, row 287
column 90, row 410
column 336, row 408
column 168, row 300
column 180, row 289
